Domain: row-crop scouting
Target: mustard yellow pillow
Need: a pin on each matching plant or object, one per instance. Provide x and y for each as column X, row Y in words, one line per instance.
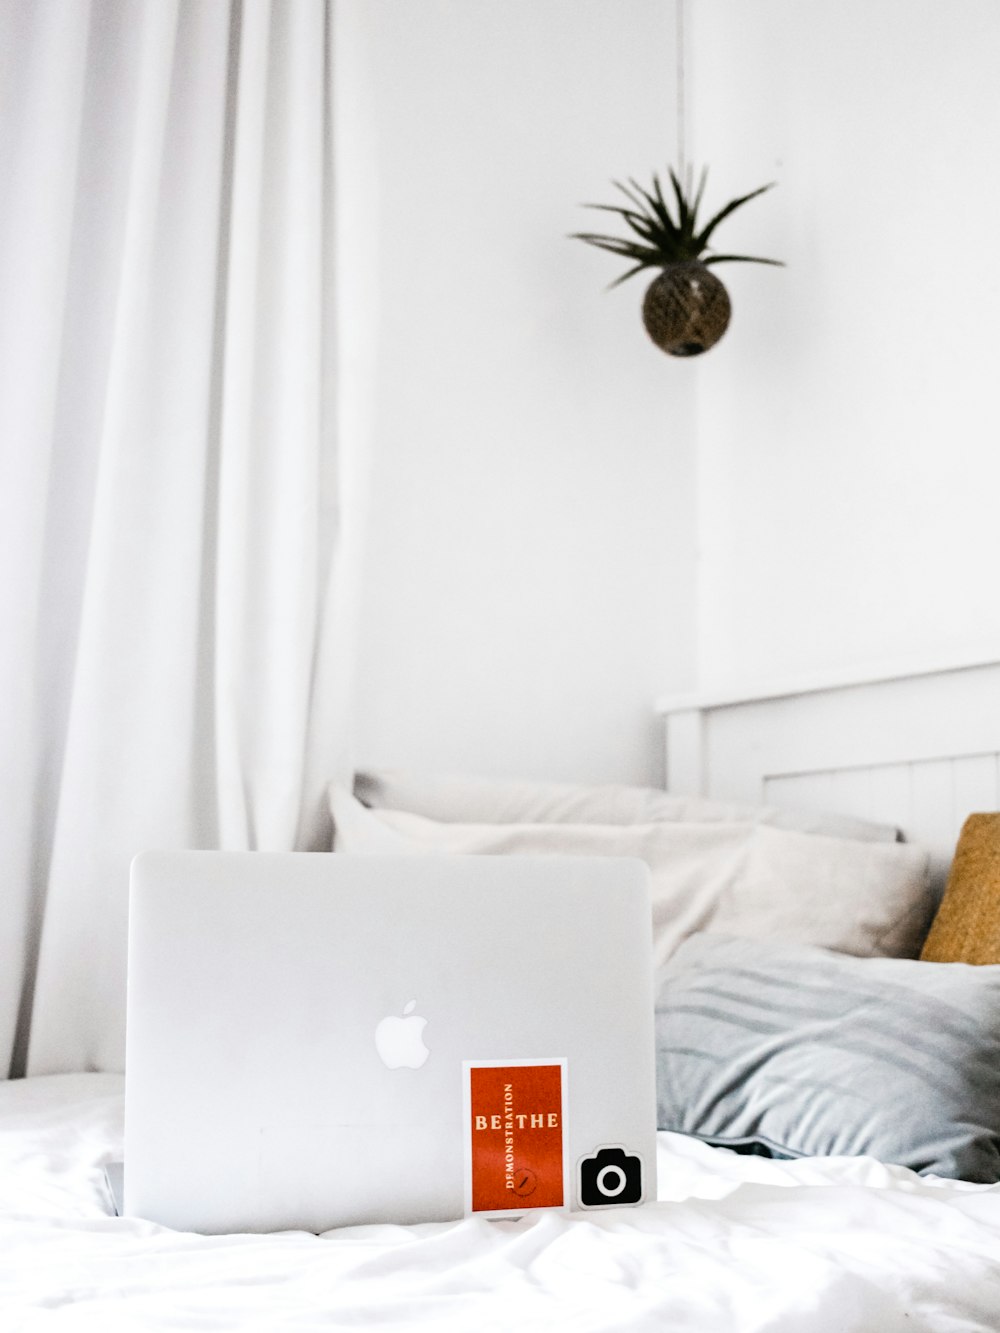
column 966, row 928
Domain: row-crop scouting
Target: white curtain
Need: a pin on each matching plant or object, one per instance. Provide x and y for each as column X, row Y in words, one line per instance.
column 168, row 496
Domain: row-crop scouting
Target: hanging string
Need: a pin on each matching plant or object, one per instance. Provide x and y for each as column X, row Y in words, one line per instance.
column 683, row 170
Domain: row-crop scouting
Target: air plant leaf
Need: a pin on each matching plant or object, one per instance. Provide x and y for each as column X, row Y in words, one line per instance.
column 740, row 259
column 697, row 199
column 640, row 224
column 619, row 246
column 659, row 210
column 703, row 238
column 628, row 274
column 682, row 205
column 686, row 214
column 665, row 238
column 637, row 200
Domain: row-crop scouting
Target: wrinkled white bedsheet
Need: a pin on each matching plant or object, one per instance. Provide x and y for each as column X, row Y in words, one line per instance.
column 735, row 1243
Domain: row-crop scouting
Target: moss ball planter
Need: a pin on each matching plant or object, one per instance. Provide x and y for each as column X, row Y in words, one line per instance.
column 686, row 309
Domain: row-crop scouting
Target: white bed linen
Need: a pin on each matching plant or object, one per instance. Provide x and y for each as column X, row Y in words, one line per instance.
column 734, row 1243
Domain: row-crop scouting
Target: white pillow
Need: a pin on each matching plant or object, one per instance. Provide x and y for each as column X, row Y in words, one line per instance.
column 496, row 801
column 870, row 899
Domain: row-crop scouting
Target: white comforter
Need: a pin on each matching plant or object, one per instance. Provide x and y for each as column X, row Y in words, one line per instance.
column 816, row 1246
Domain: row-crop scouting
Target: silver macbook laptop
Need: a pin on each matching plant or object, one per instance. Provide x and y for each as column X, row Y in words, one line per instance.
column 319, row 1040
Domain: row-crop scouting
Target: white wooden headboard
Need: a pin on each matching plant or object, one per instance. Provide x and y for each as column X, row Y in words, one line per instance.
column 917, row 747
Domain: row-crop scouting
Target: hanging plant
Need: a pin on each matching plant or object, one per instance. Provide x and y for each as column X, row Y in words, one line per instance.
column 686, row 308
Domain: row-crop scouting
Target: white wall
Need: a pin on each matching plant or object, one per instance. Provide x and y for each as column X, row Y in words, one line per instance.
column 547, row 548
column 528, row 584
column 849, row 424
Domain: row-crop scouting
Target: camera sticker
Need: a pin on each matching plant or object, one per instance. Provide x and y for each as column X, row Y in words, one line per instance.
column 515, row 1136
column 609, row 1177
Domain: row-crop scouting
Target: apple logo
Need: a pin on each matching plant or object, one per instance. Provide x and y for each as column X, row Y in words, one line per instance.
column 399, row 1041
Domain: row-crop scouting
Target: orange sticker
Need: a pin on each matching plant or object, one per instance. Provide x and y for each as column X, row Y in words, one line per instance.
column 515, row 1124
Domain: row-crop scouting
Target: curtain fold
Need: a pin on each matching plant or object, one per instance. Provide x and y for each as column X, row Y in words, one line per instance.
column 170, row 556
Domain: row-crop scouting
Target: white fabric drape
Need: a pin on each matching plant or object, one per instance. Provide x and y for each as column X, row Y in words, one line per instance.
column 168, row 502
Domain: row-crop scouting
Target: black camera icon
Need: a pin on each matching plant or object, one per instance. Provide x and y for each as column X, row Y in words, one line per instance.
column 610, row 1176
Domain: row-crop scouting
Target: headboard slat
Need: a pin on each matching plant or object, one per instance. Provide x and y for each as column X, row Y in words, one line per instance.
column 918, row 751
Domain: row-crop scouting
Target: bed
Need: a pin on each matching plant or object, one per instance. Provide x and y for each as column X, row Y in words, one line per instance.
column 881, row 1217
column 734, row 1242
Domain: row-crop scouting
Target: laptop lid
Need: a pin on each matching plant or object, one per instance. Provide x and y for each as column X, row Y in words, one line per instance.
column 318, row 1040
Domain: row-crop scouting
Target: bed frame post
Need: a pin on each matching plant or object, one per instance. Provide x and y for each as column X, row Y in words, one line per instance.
column 685, row 751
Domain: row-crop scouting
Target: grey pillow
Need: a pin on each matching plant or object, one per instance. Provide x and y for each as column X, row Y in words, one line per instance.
column 792, row 1051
